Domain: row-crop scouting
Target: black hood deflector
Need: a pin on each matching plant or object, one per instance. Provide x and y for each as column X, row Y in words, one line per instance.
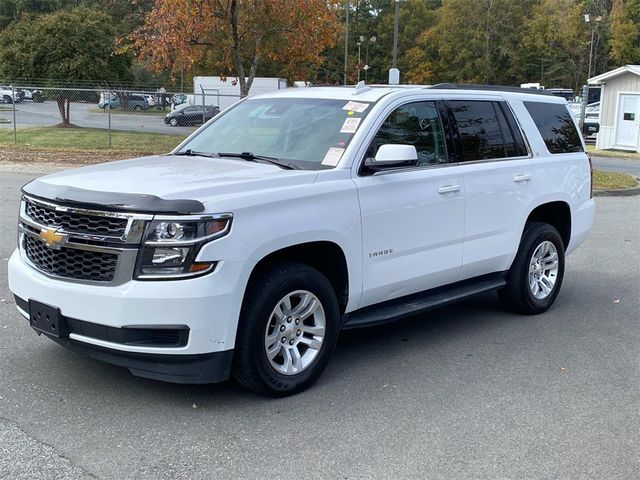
column 113, row 201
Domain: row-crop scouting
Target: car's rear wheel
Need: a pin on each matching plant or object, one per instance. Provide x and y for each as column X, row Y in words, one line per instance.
column 7, row 99
column 137, row 108
column 535, row 277
column 288, row 330
column 173, row 122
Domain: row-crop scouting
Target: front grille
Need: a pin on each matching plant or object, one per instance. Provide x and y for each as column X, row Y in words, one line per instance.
column 76, row 222
column 71, row 263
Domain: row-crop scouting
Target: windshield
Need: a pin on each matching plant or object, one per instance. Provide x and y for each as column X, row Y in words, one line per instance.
column 308, row 133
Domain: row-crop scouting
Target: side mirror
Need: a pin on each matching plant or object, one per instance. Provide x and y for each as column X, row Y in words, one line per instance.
column 392, row 156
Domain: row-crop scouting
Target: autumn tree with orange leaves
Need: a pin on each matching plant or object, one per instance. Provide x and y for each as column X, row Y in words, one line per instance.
column 238, row 35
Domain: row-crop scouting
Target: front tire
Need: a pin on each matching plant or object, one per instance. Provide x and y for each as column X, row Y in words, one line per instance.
column 173, row 122
column 535, row 277
column 288, row 330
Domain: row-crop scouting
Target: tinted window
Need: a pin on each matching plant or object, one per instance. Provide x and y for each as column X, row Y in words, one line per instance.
column 556, row 126
column 513, row 141
column 479, row 130
column 414, row 124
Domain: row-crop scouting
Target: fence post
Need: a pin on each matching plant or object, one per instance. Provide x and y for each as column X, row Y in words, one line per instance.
column 109, row 116
column 203, row 107
column 13, row 104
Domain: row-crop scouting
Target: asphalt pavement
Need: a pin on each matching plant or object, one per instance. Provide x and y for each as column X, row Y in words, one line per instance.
column 29, row 114
column 630, row 166
column 465, row 392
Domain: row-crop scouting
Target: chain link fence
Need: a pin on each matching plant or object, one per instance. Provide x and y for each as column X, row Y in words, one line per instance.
column 86, row 118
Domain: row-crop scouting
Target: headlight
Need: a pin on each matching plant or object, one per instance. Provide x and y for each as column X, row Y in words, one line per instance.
column 171, row 245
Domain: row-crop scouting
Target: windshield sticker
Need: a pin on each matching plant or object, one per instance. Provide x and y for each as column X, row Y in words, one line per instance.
column 350, row 125
column 333, row 156
column 356, row 106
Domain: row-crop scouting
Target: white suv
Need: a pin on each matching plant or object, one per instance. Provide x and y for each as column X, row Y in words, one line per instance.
column 295, row 214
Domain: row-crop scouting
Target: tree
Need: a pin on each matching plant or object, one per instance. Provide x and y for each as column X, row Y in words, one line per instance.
column 624, row 43
column 243, row 34
column 474, row 42
column 71, row 46
column 555, row 45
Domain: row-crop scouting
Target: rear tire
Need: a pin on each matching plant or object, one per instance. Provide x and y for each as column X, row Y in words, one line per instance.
column 535, row 277
column 306, row 328
column 7, row 99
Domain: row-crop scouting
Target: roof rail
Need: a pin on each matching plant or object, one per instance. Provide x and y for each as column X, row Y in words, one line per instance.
column 490, row 88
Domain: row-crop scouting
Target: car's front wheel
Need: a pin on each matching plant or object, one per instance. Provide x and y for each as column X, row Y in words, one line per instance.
column 535, row 277
column 7, row 99
column 173, row 122
column 288, row 330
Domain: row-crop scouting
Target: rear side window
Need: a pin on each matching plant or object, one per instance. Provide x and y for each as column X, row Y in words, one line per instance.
column 556, row 126
column 486, row 129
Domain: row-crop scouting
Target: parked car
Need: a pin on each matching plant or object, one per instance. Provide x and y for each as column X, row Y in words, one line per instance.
column 36, row 96
column 9, row 95
column 191, row 115
column 134, row 102
column 298, row 213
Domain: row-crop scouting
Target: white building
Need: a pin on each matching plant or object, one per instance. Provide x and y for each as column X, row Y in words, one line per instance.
column 619, row 108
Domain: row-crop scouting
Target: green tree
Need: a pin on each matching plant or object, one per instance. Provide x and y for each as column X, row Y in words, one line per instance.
column 555, row 45
column 624, row 44
column 71, row 46
column 476, row 42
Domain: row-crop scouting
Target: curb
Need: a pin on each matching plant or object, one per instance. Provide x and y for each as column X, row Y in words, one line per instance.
column 623, row 192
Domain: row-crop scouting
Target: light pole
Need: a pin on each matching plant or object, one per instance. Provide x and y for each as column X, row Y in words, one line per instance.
column 366, row 67
column 359, row 48
column 592, row 27
column 346, row 42
column 394, row 73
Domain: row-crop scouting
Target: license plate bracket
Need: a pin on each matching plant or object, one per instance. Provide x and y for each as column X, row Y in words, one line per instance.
column 47, row 319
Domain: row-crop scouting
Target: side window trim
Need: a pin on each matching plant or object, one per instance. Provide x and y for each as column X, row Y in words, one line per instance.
column 456, row 133
column 514, row 124
column 360, row 169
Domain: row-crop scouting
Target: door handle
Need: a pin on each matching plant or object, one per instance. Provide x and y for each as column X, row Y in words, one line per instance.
column 449, row 189
column 523, row 177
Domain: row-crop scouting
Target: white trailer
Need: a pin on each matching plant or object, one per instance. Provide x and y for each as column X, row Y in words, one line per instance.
column 223, row 93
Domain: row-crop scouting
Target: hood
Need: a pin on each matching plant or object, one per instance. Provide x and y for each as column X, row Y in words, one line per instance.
column 163, row 183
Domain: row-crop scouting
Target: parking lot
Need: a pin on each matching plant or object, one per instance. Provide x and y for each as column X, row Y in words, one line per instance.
column 468, row 391
column 88, row 115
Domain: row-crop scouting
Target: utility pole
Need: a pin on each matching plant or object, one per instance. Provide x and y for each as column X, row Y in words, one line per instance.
column 346, row 43
column 394, row 73
column 592, row 27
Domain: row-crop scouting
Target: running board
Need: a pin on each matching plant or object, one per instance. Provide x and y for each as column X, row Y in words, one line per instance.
column 398, row 308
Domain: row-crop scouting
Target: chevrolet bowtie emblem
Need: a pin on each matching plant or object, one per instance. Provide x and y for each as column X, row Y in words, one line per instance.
column 52, row 238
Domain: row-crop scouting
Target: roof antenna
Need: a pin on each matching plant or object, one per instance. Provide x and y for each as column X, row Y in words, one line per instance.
column 361, row 87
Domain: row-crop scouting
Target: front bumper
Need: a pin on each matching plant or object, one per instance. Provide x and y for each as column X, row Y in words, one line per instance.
column 207, row 306
column 203, row 368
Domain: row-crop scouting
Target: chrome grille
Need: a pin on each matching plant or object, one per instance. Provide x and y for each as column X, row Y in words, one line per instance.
column 76, row 222
column 70, row 262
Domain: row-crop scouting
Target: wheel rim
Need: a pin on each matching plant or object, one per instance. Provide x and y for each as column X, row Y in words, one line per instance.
column 543, row 270
column 295, row 332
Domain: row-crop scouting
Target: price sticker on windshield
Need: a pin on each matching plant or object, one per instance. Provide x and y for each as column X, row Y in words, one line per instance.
column 350, row 125
column 356, row 107
column 333, row 156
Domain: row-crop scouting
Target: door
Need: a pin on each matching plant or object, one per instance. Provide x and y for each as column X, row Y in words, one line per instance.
column 498, row 180
column 412, row 218
column 627, row 128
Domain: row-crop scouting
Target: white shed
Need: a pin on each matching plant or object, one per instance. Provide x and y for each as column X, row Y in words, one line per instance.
column 619, row 108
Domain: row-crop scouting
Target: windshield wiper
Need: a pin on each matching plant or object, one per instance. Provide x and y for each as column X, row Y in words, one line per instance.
column 257, row 158
column 192, row 153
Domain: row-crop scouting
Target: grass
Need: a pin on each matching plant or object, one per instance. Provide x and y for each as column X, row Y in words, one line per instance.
column 612, row 181
column 612, row 153
column 52, row 138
